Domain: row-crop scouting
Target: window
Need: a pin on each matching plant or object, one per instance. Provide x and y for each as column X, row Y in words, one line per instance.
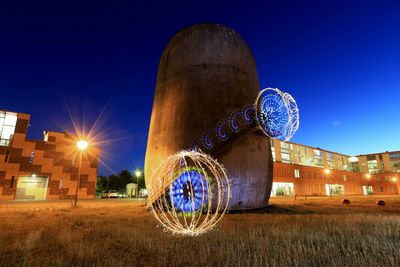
column 395, row 166
column 8, row 120
column 285, row 152
column 282, row 189
column 329, row 158
column 318, row 158
column 394, row 156
column 395, row 162
column 372, row 166
column 367, row 190
column 272, row 148
column 296, row 173
column 344, row 177
column 334, row 189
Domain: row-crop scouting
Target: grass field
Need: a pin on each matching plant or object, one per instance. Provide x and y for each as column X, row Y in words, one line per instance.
column 312, row 232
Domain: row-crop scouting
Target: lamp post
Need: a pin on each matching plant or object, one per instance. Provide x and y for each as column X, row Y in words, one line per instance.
column 81, row 145
column 138, row 173
column 327, row 172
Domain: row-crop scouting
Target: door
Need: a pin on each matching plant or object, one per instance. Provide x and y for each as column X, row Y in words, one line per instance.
column 32, row 188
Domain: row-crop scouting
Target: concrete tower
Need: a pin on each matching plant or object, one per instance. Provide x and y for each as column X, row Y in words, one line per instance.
column 205, row 73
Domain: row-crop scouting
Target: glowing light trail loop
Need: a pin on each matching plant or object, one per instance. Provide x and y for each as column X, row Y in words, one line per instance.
column 277, row 114
column 194, row 197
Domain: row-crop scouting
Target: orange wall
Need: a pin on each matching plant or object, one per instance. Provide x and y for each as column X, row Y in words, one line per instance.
column 312, row 180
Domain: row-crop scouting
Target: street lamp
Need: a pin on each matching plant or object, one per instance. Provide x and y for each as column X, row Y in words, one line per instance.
column 82, row 145
column 138, row 173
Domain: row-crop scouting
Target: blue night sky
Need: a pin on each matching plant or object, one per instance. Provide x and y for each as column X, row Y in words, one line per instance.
column 339, row 59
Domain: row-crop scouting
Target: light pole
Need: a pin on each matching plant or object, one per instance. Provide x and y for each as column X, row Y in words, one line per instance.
column 326, row 172
column 81, row 145
column 138, row 173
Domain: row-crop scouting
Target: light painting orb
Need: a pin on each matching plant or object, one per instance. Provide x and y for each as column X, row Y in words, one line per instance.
column 190, row 193
column 277, row 114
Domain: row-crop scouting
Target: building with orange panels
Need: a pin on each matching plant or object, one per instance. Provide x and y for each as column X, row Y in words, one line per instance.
column 47, row 169
column 302, row 170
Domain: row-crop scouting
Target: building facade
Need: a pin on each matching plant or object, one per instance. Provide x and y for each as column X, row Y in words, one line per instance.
column 38, row 170
column 302, row 170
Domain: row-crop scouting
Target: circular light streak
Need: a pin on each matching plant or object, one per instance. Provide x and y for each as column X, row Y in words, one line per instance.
column 249, row 114
column 207, row 141
column 233, row 122
column 189, row 193
column 221, row 131
column 277, row 114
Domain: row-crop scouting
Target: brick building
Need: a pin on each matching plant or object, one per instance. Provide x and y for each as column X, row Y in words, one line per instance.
column 305, row 170
column 47, row 169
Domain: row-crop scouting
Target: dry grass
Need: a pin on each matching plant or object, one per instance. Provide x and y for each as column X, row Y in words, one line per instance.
column 313, row 232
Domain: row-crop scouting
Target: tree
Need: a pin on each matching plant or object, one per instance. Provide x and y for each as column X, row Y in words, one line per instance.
column 101, row 184
column 125, row 178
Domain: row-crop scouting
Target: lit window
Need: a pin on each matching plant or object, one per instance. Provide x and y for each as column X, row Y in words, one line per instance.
column 296, row 173
column 318, row 161
column 272, row 149
column 8, row 120
column 372, row 166
column 282, row 189
column 344, row 177
column 285, row 153
column 329, row 158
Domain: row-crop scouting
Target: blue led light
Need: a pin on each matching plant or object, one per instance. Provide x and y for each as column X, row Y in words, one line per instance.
column 221, row 131
column 188, row 193
column 207, row 141
column 233, row 122
column 277, row 114
column 249, row 114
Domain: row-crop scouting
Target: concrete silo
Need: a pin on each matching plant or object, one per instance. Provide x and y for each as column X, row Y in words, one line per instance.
column 205, row 73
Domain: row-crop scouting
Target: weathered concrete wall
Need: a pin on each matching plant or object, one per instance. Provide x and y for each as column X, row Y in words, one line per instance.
column 205, row 73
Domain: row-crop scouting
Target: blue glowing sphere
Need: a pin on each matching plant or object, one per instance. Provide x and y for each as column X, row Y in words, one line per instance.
column 277, row 114
column 189, row 192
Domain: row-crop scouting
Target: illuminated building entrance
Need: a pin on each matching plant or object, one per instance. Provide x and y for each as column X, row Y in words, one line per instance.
column 282, row 189
column 32, row 188
column 367, row 190
column 334, row 189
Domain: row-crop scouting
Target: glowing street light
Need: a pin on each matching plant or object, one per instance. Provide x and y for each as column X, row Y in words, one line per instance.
column 327, row 171
column 138, row 173
column 82, row 145
column 394, row 179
